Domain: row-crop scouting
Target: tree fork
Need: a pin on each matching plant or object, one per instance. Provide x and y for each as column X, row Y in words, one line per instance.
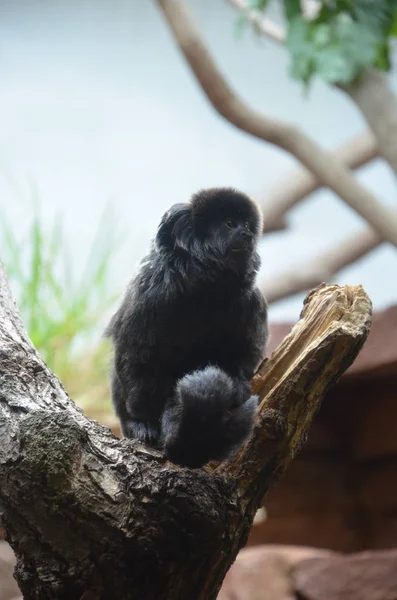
column 92, row 517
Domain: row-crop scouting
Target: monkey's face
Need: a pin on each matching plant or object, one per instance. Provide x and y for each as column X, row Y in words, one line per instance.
column 219, row 226
column 228, row 223
column 231, row 237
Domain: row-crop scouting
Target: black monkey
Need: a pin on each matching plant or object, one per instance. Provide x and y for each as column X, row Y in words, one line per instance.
column 191, row 330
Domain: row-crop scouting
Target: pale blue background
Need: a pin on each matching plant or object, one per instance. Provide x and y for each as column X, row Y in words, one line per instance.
column 97, row 104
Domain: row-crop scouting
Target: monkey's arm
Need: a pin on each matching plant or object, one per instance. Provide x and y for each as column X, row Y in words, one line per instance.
column 257, row 335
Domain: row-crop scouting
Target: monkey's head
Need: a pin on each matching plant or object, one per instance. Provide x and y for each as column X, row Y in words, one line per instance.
column 226, row 220
column 218, row 224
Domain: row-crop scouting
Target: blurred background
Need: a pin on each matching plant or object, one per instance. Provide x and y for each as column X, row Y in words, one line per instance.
column 104, row 126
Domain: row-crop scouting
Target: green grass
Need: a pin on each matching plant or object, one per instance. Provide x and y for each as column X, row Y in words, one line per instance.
column 63, row 313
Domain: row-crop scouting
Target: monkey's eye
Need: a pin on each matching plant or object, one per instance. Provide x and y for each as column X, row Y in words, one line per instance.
column 231, row 224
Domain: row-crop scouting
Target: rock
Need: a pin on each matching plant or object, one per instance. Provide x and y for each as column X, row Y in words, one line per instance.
column 8, row 586
column 361, row 576
column 265, row 573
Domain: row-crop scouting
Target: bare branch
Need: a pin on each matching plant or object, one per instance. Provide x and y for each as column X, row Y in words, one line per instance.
column 298, row 183
column 273, row 221
column 324, row 267
column 266, row 26
column 373, row 95
column 322, row 164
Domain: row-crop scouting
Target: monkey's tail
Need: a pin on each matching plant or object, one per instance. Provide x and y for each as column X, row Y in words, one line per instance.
column 210, row 416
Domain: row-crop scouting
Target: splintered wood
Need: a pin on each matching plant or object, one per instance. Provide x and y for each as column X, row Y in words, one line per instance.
column 291, row 384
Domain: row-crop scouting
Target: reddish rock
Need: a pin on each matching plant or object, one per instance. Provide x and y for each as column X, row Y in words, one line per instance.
column 363, row 576
column 8, row 586
column 265, row 573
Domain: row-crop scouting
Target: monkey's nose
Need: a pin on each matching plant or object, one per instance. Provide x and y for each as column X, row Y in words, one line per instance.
column 245, row 235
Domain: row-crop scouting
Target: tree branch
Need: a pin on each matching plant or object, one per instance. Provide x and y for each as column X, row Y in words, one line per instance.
column 324, row 267
column 266, row 26
column 284, row 135
column 274, row 32
column 373, row 95
column 334, row 324
column 299, row 183
column 91, row 516
column 372, row 92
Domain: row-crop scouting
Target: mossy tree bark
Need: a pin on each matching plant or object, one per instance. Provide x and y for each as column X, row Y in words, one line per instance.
column 93, row 517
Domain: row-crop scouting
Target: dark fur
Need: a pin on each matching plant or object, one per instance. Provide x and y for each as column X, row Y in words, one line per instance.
column 191, row 330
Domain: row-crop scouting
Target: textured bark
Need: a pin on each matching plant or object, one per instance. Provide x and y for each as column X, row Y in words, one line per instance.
column 93, row 517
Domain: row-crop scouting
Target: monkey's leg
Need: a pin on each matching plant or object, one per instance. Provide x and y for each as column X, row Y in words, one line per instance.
column 132, row 402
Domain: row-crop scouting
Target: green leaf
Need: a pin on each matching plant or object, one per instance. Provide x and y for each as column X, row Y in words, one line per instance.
column 383, row 62
column 376, row 15
column 393, row 25
column 332, row 66
column 292, row 9
column 300, row 47
column 327, row 12
column 336, row 51
column 257, row 4
column 321, row 35
column 346, row 37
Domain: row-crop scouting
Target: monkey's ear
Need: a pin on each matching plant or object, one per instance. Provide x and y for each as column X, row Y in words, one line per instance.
column 174, row 227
